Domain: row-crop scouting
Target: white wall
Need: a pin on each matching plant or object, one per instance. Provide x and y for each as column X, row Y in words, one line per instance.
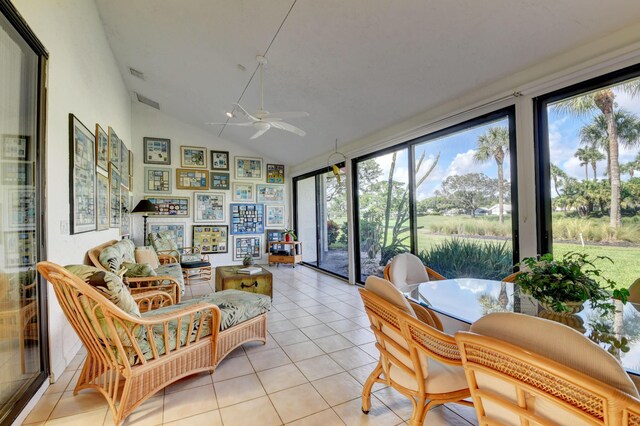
column 83, row 80
column 149, row 122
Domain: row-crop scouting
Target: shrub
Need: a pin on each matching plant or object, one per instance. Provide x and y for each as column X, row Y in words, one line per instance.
column 463, row 258
column 333, row 229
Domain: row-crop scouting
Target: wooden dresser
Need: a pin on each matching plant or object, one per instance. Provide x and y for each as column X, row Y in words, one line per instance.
column 227, row 277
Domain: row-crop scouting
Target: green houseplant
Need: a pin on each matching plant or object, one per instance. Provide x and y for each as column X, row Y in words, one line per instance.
column 563, row 285
column 289, row 235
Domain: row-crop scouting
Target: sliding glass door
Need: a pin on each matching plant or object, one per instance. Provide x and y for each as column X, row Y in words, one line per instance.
column 22, row 311
column 321, row 219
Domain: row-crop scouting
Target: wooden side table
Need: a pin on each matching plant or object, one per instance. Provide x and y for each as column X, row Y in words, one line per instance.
column 293, row 256
column 227, row 277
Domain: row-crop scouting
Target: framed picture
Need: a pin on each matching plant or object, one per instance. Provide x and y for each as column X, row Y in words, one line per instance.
column 270, row 194
column 192, row 179
column 211, row 238
column 20, row 208
column 219, row 160
column 114, row 148
column 248, row 168
column 82, row 177
column 247, row 219
column 273, row 235
column 219, row 180
column 102, row 150
column 157, row 151
column 102, row 201
column 18, row 173
column 242, row 191
column 275, row 173
column 125, row 212
column 157, row 180
column 209, row 207
column 275, row 215
column 175, row 228
column 124, row 165
column 130, row 170
column 15, row 147
column 170, row 206
column 247, row 246
column 114, row 196
column 193, row 156
column 23, row 252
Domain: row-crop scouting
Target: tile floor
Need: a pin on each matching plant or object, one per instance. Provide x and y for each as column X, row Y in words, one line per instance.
column 319, row 353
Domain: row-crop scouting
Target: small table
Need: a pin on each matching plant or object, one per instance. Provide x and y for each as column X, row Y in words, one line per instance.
column 293, row 256
column 228, row 277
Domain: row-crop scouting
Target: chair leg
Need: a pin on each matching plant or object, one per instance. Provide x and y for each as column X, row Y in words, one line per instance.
column 419, row 412
column 368, row 385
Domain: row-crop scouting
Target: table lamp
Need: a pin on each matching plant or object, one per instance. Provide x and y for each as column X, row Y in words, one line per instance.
column 145, row 207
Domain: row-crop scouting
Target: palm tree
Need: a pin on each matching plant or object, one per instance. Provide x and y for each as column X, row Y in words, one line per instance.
column 495, row 144
column 583, row 155
column 593, row 156
column 604, row 101
column 559, row 177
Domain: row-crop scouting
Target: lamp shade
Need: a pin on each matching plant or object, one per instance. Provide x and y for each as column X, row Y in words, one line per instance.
column 145, row 206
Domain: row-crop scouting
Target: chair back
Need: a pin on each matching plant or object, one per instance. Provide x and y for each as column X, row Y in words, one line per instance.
column 511, row 278
column 407, row 269
column 164, row 242
column 94, row 254
column 634, row 292
column 515, row 384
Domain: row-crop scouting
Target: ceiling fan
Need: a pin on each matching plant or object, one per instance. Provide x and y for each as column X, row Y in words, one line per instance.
column 263, row 120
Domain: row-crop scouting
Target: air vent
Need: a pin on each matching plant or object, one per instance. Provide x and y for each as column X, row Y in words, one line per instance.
column 134, row 72
column 147, row 101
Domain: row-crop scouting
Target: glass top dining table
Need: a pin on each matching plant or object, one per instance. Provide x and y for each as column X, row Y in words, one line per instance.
column 468, row 299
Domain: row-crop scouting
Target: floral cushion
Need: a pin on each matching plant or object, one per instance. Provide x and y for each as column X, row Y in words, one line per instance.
column 113, row 256
column 174, row 271
column 163, row 241
column 133, row 270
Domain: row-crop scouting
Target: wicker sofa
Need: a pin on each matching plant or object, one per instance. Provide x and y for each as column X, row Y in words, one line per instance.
column 111, row 255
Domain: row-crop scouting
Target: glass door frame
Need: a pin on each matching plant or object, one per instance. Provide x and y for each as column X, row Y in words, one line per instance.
column 508, row 112
column 541, row 145
column 19, row 24
column 316, row 174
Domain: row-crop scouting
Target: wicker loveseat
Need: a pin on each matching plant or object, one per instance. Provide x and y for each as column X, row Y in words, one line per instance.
column 111, row 256
column 132, row 355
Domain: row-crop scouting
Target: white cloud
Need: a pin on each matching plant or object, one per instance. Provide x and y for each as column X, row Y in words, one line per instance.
column 628, row 102
column 464, row 163
column 574, row 169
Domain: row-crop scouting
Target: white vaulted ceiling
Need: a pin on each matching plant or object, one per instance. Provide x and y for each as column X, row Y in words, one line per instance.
column 357, row 66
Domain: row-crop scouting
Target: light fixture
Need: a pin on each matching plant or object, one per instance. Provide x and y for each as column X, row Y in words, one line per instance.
column 145, row 207
column 230, row 114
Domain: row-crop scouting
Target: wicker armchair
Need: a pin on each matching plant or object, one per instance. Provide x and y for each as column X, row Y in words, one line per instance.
column 575, row 382
column 195, row 265
column 416, row 358
column 118, row 365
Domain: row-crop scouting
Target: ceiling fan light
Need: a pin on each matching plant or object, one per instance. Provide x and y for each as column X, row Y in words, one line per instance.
column 261, row 125
column 230, row 114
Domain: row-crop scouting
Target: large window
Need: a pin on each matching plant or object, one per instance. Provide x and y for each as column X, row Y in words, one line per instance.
column 321, row 219
column 448, row 197
column 588, row 168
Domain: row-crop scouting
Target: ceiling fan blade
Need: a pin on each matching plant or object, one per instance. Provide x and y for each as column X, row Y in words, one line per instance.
column 288, row 127
column 292, row 114
column 259, row 133
column 245, row 124
column 244, row 111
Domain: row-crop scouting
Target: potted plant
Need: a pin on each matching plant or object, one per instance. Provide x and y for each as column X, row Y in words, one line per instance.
column 289, row 235
column 247, row 261
column 563, row 285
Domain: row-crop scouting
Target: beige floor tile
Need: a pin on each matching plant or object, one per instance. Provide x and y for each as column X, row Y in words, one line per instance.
column 239, row 351
column 189, row 402
column 318, row 309
column 280, row 326
column 253, row 347
column 297, row 402
column 258, row 411
column 301, row 351
column 274, row 316
column 351, row 413
column 61, row 384
column 87, row 400
column 318, row 331
column 338, row 389
column 442, row 416
column 286, row 306
column 307, row 321
column 371, row 349
column 333, row 343
column 295, row 313
column 397, row 402
column 351, row 358
column 323, row 418
column 209, row 418
column 328, row 317
column 343, row 325
column 467, row 413
column 148, row 414
column 319, row 367
column 279, row 378
column 239, row 389
column 43, row 408
column 95, row 417
column 363, row 320
column 361, row 374
column 232, row 367
column 290, row 337
column 307, row 303
column 197, row 380
column 359, row 337
column 268, row 359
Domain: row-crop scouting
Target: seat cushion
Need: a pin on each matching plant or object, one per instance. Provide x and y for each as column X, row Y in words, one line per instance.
column 188, row 258
column 191, row 265
column 138, row 270
column 147, row 255
column 113, row 256
column 388, row 292
column 440, row 378
column 174, row 270
column 163, row 241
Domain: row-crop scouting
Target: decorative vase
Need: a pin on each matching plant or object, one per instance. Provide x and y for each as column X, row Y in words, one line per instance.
column 288, row 238
column 566, row 318
column 574, row 308
column 247, row 261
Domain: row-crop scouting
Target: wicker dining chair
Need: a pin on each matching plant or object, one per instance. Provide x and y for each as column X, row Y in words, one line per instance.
column 416, row 358
column 511, row 278
column 527, row 370
column 406, row 269
column 130, row 358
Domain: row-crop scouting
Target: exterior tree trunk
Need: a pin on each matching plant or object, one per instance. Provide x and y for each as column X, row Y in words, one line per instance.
column 500, row 193
column 595, row 175
column 586, row 171
column 387, row 211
